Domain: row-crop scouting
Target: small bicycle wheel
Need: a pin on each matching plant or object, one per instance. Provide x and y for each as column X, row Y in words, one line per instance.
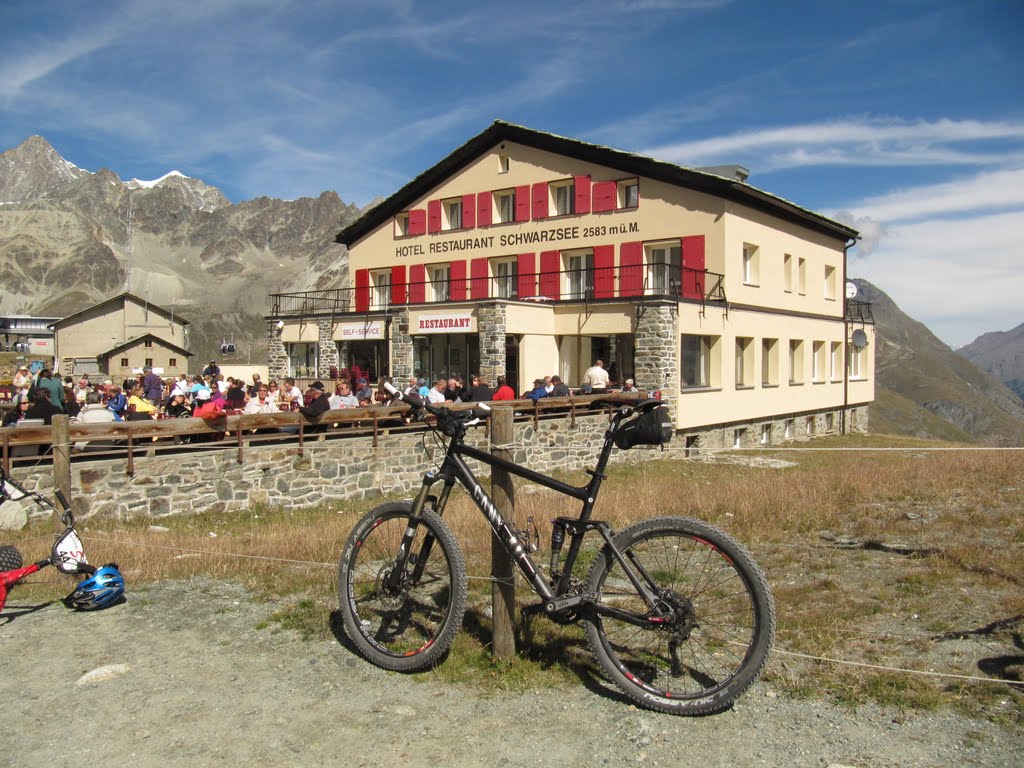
column 711, row 635
column 10, row 558
column 407, row 623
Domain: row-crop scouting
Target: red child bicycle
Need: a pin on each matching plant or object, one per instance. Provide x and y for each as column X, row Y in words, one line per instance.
column 102, row 586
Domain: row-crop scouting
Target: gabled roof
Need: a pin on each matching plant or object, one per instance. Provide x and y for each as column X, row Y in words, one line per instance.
column 140, row 339
column 629, row 164
column 121, row 299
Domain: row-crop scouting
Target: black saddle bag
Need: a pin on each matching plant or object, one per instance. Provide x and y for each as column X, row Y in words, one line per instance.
column 653, row 427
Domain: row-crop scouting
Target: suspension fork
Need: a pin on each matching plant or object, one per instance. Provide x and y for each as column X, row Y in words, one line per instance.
column 424, row 500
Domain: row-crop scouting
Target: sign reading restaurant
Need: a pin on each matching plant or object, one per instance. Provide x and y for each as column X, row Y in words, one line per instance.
column 446, row 323
column 515, row 239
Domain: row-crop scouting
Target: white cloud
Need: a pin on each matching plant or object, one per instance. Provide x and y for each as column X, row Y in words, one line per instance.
column 959, row 277
column 851, row 142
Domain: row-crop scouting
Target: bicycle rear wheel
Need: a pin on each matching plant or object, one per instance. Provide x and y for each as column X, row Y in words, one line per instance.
column 714, row 629
column 410, row 626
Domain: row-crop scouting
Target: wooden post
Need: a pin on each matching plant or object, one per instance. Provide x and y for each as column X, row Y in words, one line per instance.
column 503, row 588
column 60, row 437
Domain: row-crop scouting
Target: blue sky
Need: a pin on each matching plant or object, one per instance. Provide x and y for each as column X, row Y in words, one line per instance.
column 904, row 118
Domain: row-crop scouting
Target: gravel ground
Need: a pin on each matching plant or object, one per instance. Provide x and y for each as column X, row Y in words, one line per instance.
column 180, row 675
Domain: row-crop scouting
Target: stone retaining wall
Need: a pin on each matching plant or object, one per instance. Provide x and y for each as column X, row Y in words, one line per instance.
column 277, row 477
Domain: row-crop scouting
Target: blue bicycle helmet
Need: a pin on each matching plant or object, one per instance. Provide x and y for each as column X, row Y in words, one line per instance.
column 101, row 590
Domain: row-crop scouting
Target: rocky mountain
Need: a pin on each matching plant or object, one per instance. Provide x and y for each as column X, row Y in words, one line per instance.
column 1002, row 354
column 925, row 389
column 70, row 238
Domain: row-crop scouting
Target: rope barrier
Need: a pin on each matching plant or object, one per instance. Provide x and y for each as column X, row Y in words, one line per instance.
column 884, row 668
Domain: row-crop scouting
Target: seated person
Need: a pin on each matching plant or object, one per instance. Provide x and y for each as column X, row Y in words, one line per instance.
column 177, row 406
column 436, row 393
column 504, row 391
column 363, row 391
column 139, row 408
column 558, row 387
column 478, row 391
column 42, row 408
column 261, row 403
column 316, row 404
column 343, row 397
column 539, row 390
column 94, row 412
column 235, row 397
column 17, row 413
column 116, row 402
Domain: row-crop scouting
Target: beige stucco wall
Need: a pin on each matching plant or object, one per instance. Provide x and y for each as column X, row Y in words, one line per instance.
column 765, row 306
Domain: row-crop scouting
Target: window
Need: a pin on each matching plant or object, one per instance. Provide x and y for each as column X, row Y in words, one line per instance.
column 564, row 194
column 439, row 277
column 698, row 363
column 750, row 264
column 766, row 434
column 506, row 274
column 453, row 214
column 796, row 361
column 402, row 224
column 149, row 362
column 738, row 436
column 503, row 164
column 505, row 205
column 744, row 362
column 787, row 272
column 664, row 266
column 789, row 429
column 836, row 365
column 856, row 362
column 769, row 362
column 579, row 268
column 810, row 425
column 124, row 362
column 830, row 283
column 381, row 288
column 830, row 422
column 818, row 361
column 172, row 362
column 801, row 275
column 149, row 344
column 629, row 193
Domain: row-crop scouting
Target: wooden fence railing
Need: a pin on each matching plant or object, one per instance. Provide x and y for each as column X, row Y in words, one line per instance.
column 125, row 440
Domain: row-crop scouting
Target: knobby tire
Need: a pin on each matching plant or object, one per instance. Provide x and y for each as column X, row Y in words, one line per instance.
column 10, row 558
column 410, row 628
column 722, row 617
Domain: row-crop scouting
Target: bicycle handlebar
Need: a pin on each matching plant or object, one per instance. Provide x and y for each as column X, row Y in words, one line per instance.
column 447, row 418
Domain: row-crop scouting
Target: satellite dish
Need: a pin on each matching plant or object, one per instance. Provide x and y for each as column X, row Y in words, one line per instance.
column 851, row 290
column 859, row 339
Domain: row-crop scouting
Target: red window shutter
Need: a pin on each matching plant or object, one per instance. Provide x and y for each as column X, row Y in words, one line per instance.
column 434, row 216
column 539, row 208
column 605, row 195
column 417, row 222
column 417, row 283
column 398, row 284
column 468, row 211
column 523, row 205
column 693, row 267
column 457, row 278
column 484, row 200
column 527, row 275
column 631, row 259
column 550, row 273
column 478, row 279
column 362, row 290
column 582, row 185
column 604, row 271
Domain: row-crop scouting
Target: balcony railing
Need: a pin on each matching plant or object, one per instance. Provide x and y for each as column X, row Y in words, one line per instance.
column 579, row 285
column 859, row 312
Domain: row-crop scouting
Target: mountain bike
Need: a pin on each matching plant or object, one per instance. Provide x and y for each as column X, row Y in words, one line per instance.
column 676, row 611
column 102, row 586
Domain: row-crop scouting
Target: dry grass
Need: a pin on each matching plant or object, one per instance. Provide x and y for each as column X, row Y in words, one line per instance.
column 954, row 604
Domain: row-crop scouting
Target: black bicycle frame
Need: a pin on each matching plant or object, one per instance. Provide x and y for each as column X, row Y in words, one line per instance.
column 454, row 469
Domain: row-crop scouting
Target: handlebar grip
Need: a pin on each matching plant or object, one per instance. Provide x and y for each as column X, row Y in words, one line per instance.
column 62, row 499
column 391, row 389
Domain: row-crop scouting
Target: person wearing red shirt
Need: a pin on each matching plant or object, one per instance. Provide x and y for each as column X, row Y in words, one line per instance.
column 504, row 391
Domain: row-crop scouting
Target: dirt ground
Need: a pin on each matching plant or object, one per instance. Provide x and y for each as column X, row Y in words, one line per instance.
column 181, row 675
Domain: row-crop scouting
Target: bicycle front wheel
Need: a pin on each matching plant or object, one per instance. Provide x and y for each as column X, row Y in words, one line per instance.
column 404, row 621
column 710, row 635
column 10, row 558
